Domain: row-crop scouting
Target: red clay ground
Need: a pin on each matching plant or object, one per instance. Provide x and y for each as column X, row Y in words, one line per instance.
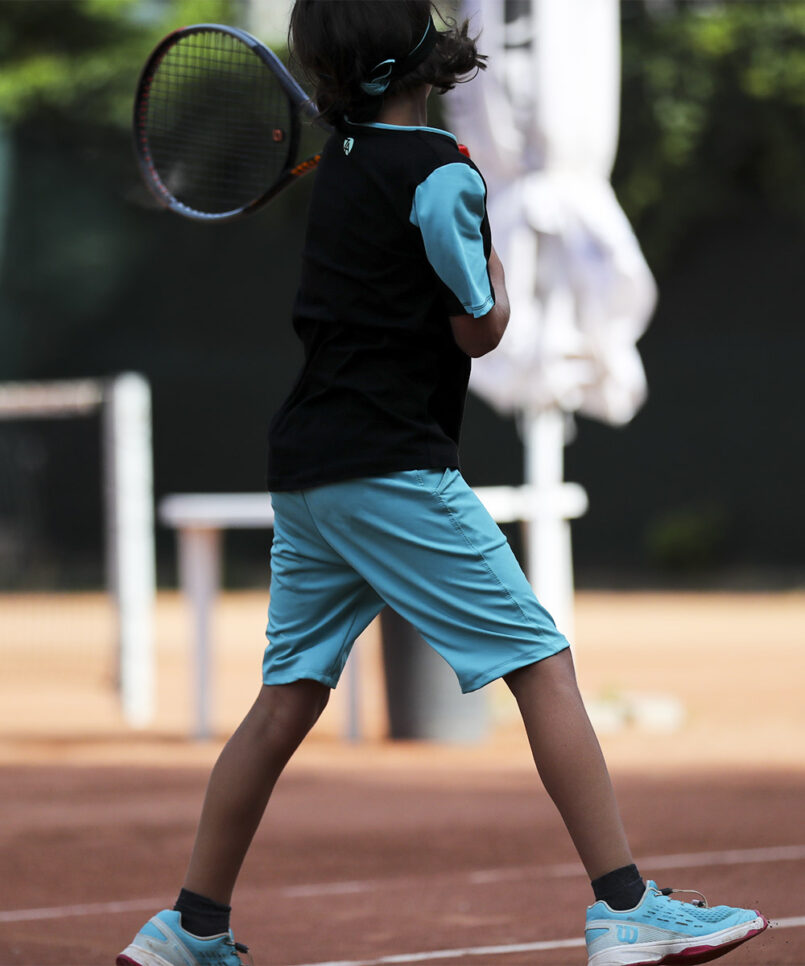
column 384, row 853
column 356, row 864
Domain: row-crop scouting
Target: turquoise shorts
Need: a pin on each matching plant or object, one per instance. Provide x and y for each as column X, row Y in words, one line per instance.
column 419, row 541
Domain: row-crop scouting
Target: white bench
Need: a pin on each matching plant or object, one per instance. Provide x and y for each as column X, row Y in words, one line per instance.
column 199, row 519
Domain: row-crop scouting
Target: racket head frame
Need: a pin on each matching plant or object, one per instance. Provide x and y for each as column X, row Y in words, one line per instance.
column 301, row 106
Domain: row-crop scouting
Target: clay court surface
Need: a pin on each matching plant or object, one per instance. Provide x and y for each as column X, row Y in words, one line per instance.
column 377, row 852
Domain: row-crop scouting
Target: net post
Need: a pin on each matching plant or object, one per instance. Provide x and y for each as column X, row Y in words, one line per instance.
column 131, row 569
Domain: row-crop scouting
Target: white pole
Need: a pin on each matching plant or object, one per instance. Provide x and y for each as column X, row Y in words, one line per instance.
column 199, row 576
column 549, row 557
column 352, row 678
column 131, row 564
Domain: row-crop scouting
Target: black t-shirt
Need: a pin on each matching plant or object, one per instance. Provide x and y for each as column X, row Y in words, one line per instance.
column 397, row 241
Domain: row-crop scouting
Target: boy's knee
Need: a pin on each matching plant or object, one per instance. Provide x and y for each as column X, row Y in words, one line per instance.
column 316, row 697
column 323, row 699
column 293, row 708
column 558, row 669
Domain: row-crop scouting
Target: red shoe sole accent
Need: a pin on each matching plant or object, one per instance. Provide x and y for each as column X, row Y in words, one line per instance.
column 125, row 961
column 696, row 955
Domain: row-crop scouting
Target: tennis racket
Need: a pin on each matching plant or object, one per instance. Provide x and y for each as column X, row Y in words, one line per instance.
column 217, row 123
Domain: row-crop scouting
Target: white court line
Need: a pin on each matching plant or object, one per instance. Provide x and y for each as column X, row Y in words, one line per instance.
column 776, row 853
column 326, row 889
column 87, row 909
column 537, row 947
column 455, row 953
column 691, row 860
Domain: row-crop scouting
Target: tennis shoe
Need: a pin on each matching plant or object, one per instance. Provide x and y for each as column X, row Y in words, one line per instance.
column 660, row 930
column 163, row 942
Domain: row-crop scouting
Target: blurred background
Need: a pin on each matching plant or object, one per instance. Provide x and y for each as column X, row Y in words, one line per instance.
column 689, row 563
column 701, row 490
column 703, row 486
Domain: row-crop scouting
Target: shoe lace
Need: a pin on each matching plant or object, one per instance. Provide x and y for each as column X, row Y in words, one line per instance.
column 242, row 950
column 701, row 902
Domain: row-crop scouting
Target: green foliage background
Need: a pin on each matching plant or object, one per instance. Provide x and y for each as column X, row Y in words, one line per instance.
column 73, row 61
column 714, row 105
column 93, row 280
column 713, row 94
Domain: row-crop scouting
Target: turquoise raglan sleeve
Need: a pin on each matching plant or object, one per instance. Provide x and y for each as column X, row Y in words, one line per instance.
column 449, row 209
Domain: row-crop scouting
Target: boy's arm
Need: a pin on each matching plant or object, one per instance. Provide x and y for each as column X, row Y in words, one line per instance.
column 449, row 208
column 478, row 336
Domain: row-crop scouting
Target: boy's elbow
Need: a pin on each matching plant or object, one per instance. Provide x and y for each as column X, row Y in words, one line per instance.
column 493, row 329
column 478, row 340
column 484, row 344
column 477, row 337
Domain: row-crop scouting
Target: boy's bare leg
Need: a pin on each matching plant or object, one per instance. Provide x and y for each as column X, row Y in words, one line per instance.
column 243, row 779
column 569, row 760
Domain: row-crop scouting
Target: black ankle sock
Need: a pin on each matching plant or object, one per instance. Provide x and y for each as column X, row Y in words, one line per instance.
column 202, row 916
column 621, row 889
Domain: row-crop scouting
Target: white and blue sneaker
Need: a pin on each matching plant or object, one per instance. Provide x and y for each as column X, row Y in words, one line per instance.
column 163, row 942
column 660, row 930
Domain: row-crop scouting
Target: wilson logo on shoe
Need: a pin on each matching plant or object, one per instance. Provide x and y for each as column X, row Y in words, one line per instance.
column 627, row 934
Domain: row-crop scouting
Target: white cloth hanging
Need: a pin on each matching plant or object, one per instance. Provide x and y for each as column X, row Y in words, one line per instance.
column 542, row 124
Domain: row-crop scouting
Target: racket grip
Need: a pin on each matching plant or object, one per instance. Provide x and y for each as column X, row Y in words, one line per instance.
column 309, row 110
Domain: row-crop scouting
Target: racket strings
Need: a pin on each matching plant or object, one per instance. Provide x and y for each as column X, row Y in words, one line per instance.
column 217, row 123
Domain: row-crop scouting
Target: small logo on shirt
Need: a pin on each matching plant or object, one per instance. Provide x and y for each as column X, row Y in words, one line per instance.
column 349, row 143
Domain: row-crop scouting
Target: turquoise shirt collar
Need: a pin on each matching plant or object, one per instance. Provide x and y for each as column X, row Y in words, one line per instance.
column 401, row 127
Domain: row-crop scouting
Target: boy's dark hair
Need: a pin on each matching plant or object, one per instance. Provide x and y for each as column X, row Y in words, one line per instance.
column 340, row 43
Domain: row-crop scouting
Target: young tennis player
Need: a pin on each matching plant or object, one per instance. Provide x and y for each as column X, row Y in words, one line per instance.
column 400, row 287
